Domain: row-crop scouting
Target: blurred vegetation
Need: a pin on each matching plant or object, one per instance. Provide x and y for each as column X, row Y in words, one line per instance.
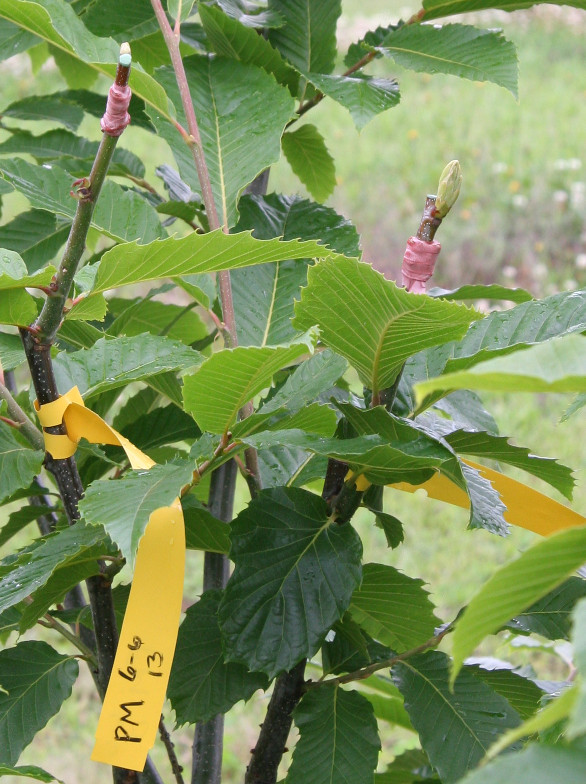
column 519, row 221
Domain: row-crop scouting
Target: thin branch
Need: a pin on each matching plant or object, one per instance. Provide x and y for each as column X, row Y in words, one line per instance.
column 172, row 40
column 366, row 672
column 170, row 747
column 29, row 430
column 52, row 623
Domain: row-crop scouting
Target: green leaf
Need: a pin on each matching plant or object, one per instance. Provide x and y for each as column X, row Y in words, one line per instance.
column 123, row 507
column 14, row 274
column 20, row 518
column 371, row 321
column 292, row 217
column 93, row 103
column 236, row 376
column 203, row 531
column 308, row 156
column 455, row 727
column 537, row 764
column 159, row 318
column 66, row 577
column 88, row 309
column 555, row 712
column 239, row 137
column 338, row 738
column 516, row 586
column 410, row 767
column 294, row 576
column 108, row 17
column 29, row 772
column 486, row 507
column 351, row 649
column 19, row 464
column 308, row 37
column 160, row 426
column 380, row 462
column 558, row 365
column 264, row 294
column 76, row 73
column 17, row 308
column 53, row 108
column 202, row 684
column 550, row 616
column 254, row 15
column 229, row 37
column 434, row 9
column 34, row 566
column 121, row 215
column 56, row 22
column 36, row 235
column 576, row 405
column 391, row 526
column 389, row 709
column 393, row 608
column 58, row 143
column 309, row 379
column 13, row 40
column 11, row 351
column 179, row 9
column 523, row 694
column 363, row 96
column 498, row 448
column 109, row 364
column 467, row 411
column 577, row 723
column 511, row 330
column 132, row 263
column 480, row 291
column 459, row 50
column 35, row 681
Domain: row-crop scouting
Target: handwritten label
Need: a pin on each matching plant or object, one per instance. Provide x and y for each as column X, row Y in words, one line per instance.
column 134, row 699
column 132, row 708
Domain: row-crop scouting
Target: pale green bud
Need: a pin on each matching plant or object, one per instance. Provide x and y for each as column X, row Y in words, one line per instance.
column 125, row 54
column 448, row 189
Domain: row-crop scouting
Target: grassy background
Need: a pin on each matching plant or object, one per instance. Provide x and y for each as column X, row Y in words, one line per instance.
column 519, row 221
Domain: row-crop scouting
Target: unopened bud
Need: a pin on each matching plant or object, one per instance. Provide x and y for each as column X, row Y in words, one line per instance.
column 448, row 189
column 125, row 54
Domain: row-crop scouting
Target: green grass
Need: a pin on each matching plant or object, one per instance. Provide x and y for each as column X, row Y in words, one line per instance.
column 519, row 220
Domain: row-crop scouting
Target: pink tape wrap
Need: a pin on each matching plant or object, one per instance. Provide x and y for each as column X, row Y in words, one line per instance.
column 418, row 263
column 116, row 117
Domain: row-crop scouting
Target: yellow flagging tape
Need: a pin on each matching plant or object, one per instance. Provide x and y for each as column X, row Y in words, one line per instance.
column 526, row 508
column 132, row 706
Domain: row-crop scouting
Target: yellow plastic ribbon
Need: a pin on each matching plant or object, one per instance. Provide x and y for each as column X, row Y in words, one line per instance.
column 526, row 508
column 134, row 699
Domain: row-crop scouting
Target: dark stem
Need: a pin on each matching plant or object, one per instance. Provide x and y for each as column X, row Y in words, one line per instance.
column 430, row 222
column 37, row 341
column 208, row 743
column 170, row 747
column 267, row 754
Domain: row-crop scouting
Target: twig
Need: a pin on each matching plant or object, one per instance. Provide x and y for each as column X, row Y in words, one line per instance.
column 169, row 745
column 29, row 430
column 366, row 672
column 52, row 623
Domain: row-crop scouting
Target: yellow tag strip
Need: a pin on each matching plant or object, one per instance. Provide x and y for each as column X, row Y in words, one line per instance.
column 132, row 706
column 526, row 508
